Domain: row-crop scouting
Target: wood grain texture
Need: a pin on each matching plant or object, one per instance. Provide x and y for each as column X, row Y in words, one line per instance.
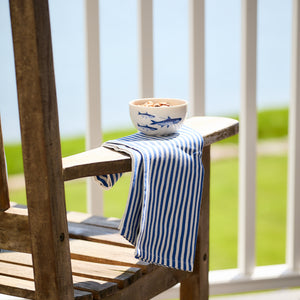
column 16, row 271
column 151, row 284
column 101, row 161
column 19, row 265
column 41, row 148
column 17, row 287
column 213, row 129
column 197, row 287
column 82, row 295
column 14, row 231
column 4, row 196
column 108, row 254
column 18, row 258
column 121, row 275
column 89, row 219
column 99, row 289
column 97, row 234
column 93, row 162
column 24, row 273
column 25, row 289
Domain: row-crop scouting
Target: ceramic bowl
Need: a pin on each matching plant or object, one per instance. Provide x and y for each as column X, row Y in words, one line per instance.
column 159, row 121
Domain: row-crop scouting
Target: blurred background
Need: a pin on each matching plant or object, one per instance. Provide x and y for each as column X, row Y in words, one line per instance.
column 119, row 70
column 119, row 85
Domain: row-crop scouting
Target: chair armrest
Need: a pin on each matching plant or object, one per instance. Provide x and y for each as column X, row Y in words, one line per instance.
column 101, row 160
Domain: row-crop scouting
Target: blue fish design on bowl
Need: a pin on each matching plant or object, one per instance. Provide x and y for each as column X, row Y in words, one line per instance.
column 158, row 121
column 167, row 122
column 146, row 115
column 146, row 127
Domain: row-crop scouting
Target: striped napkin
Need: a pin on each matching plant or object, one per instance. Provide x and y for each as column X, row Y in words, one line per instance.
column 163, row 207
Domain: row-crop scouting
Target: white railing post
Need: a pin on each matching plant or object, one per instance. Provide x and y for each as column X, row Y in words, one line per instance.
column 94, row 132
column 248, row 136
column 197, row 56
column 145, row 42
column 293, row 204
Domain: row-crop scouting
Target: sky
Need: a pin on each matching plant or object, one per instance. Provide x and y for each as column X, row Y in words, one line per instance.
column 119, row 65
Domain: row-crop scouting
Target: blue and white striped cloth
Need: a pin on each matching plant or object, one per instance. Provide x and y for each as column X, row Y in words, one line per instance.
column 163, row 207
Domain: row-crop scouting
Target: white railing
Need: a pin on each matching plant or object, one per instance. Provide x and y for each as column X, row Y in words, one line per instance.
column 145, row 38
column 293, row 224
column 247, row 277
column 247, row 139
column 93, row 88
column 197, row 56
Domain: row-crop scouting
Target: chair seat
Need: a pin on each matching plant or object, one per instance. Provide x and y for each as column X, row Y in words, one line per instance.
column 103, row 263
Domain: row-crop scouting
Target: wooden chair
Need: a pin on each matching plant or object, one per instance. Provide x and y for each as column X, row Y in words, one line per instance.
column 58, row 255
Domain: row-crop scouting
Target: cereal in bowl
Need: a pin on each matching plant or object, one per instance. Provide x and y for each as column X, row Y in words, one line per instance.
column 157, row 104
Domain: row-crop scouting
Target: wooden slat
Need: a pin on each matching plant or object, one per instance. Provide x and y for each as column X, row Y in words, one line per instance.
column 105, row 161
column 4, row 196
column 97, row 234
column 247, row 138
column 82, row 295
column 151, row 285
column 17, row 287
column 14, row 231
column 121, row 275
column 18, row 209
column 78, row 217
column 41, row 148
column 18, row 258
column 213, row 129
column 25, row 289
column 293, row 204
column 197, row 56
column 95, row 162
column 99, row 289
column 16, row 271
column 96, row 286
column 19, row 265
column 108, row 254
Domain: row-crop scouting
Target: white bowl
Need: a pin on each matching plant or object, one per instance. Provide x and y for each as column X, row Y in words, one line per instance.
column 163, row 120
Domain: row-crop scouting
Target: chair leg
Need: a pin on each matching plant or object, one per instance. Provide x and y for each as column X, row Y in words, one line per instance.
column 197, row 286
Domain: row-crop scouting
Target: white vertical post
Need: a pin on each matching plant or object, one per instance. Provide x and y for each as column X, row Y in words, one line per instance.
column 197, row 56
column 145, row 42
column 248, row 136
column 94, row 133
column 293, row 205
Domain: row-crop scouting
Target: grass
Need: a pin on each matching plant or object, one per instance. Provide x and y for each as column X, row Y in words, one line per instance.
column 272, row 123
column 223, row 214
column 270, row 212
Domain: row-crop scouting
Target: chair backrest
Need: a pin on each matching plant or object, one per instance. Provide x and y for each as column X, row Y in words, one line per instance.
column 4, row 197
column 41, row 149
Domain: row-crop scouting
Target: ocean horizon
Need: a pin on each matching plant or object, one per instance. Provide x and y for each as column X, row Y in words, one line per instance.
column 119, row 69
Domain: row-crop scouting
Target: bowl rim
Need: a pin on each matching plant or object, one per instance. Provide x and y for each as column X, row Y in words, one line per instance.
column 160, row 99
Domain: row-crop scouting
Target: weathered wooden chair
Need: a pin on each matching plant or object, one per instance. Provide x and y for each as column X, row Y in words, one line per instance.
column 96, row 262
